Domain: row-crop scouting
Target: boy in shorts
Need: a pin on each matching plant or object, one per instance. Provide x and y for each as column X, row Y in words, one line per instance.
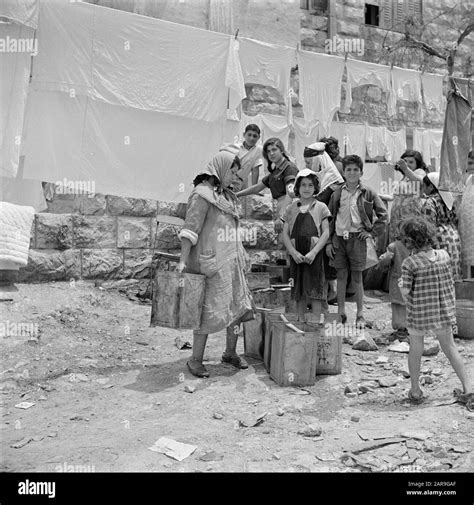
column 358, row 214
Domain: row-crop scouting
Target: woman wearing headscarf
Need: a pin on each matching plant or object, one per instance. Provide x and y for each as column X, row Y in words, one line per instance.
column 438, row 209
column 211, row 246
column 280, row 179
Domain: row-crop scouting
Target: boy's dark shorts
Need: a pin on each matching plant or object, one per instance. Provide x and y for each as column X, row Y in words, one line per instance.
column 350, row 253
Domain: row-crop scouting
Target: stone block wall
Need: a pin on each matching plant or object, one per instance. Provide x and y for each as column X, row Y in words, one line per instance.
column 105, row 236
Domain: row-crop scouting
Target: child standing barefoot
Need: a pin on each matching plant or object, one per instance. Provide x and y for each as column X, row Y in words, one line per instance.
column 305, row 233
column 428, row 287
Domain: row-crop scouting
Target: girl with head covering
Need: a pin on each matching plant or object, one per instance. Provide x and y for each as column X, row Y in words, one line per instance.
column 211, row 246
column 280, row 180
column 438, row 209
column 466, row 218
column 305, row 233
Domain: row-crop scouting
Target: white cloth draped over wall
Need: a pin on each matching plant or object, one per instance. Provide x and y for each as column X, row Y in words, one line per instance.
column 363, row 72
column 320, row 86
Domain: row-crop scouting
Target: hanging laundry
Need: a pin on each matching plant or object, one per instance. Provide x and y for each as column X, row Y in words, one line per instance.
column 374, row 141
column 15, row 70
column 406, row 85
column 275, row 126
column 362, row 72
column 436, row 140
column 267, row 64
column 23, row 12
column 421, row 143
column 395, row 143
column 123, row 151
column 355, row 134
column 137, row 61
column 338, row 131
column 320, row 86
column 306, row 133
column 456, row 141
column 432, row 86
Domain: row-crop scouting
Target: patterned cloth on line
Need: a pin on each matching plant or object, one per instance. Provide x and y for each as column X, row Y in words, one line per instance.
column 447, row 235
column 431, row 296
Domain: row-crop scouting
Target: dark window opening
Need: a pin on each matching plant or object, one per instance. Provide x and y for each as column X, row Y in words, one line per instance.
column 371, row 15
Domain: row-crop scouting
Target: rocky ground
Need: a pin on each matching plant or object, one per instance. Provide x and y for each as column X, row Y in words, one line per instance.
column 100, row 387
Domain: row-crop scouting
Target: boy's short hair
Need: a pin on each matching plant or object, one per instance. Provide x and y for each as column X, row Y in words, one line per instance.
column 252, row 127
column 471, row 155
column 418, row 232
column 314, row 179
column 352, row 159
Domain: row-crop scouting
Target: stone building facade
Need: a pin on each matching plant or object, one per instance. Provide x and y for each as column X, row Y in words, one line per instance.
column 104, row 236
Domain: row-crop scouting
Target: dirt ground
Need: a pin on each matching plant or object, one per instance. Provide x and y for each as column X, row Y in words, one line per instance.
column 106, row 386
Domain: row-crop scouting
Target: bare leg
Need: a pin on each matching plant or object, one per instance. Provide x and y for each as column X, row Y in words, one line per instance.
column 232, row 334
column 445, row 337
column 317, row 310
column 359, row 292
column 302, row 306
column 414, row 359
column 199, row 345
column 341, row 291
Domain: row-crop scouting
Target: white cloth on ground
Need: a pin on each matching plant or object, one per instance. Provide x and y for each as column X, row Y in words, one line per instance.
column 432, row 87
column 363, row 72
column 15, row 69
column 374, row 139
column 320, row 86
column 137, row 61
column 23, row 12
column 406, row 85
column 306, row 133
column 15, row 231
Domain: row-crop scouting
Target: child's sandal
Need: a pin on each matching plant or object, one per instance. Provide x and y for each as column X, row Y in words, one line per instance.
column 465, row 398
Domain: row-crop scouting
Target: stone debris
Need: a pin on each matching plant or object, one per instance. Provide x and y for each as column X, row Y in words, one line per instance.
column 312, row 430
column 381, row 359
column 398, row 346
column 355, row 419
column 388, row 382
column 25, row 405
column 365, row 343
column 426, row 379
column 189, row 389
column 351, row 388
column 431, row 350
column 217, row 415
column 21, row 443
column 280, row 411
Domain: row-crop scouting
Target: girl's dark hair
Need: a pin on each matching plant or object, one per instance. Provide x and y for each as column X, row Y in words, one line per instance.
column 205, row 177
column 418, row 158
column 313, row 178
column 419, row 232
column 352, row 158
column 270, row 142
column 427, row 181
column 471, row 155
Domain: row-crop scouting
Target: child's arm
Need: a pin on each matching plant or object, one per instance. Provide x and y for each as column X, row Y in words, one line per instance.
column 382, row 215
column 309, row 258
column 405, row 282
column 252, row 190
column 297, row 256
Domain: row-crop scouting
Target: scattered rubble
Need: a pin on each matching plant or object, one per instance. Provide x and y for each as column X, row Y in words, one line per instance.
column 365, row 343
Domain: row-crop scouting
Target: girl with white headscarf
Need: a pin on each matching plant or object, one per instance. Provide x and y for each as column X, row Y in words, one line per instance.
column 211, row 246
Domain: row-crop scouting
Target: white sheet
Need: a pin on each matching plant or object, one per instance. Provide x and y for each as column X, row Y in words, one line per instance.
column 432, row 86
column 374, row 138
column 428, row 142
column 267, row 64
column 15, row 229
column 306, row 133
column 23, row 12
column 363, row 72
column 15, row 75
column 137, row 61
column 125, row 151
column 406, row 85
column 320, row 86
column 395, row 143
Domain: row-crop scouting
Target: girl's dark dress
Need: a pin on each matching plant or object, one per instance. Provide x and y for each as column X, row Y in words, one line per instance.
column 309, row 280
